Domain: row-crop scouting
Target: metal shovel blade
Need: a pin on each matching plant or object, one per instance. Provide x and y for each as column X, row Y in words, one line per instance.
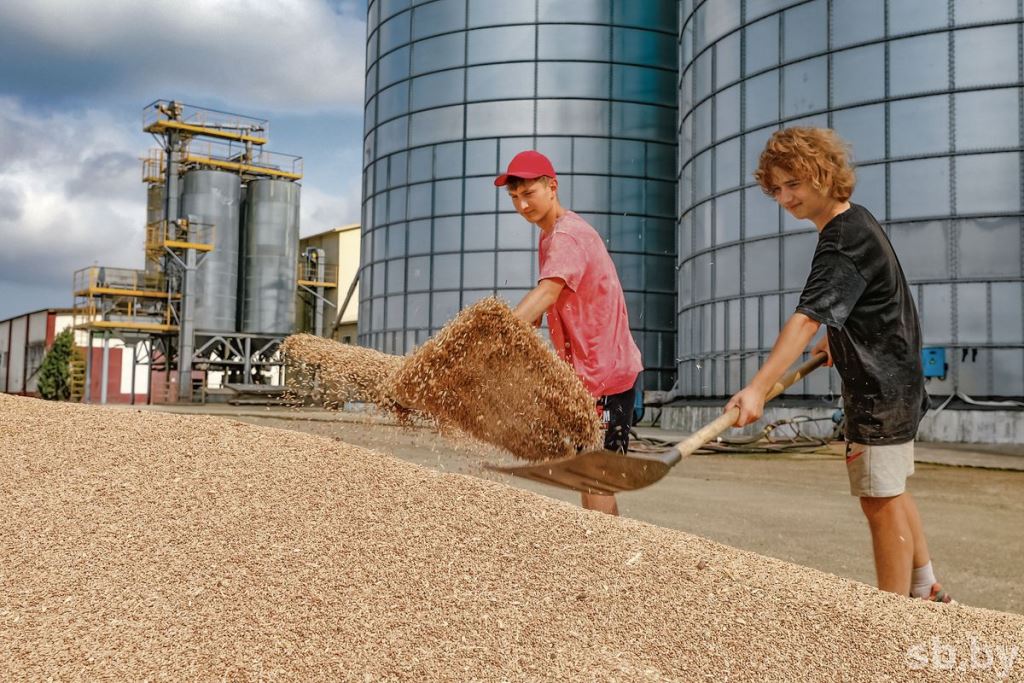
column 601, row 471
column 608, row 472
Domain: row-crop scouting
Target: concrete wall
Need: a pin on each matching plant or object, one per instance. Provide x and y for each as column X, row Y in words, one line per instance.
column 348, row 266
column 341, row 247
column 956, row 426
column 38, row 341
column 16, row 355
column 5, row 334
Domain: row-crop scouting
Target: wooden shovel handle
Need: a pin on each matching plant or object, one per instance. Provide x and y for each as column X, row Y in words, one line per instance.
column 728, row 419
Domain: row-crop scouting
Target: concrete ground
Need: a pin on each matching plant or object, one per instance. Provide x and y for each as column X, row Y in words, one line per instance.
column 794, row 507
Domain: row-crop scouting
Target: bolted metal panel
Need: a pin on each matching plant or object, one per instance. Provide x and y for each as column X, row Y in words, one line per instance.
column 213, row 198
column 271, row 254
column 928, row 96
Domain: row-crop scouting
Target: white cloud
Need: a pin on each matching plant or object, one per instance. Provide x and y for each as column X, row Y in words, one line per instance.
column 321, row 210
column 280, row 55
column 74, row 75
column 72, row 195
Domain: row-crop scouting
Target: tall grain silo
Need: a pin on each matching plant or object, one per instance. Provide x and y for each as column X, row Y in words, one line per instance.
column 455, row 89
column 211, row 200
column 271, row 238
column 929, row 95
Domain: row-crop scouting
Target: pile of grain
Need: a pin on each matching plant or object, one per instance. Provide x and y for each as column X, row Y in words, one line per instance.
column 144, row 546
column 489, row 374
column 335, row 373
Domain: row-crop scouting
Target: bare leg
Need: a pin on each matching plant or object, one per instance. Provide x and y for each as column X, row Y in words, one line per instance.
column 601, row 503
column 921, row 555
column 893, row 541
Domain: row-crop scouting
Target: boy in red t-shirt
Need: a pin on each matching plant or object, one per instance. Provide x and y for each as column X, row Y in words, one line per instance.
column 580, row 290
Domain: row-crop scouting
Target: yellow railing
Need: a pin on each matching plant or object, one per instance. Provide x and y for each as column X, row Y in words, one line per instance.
column 153, row 168
column 121, row 298
column 179, row 234
column 235, row 157
column 307, row 274
column 163, row 115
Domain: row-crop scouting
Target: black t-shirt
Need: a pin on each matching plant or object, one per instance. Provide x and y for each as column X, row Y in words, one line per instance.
column 857, row 288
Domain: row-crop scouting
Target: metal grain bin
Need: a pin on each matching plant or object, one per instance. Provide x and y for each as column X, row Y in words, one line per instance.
column 271, row 253
column 211, row 198
column 454, row 90
column 928, row 94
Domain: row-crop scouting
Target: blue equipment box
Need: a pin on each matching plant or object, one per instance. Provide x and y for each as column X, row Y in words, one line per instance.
column 933, row 358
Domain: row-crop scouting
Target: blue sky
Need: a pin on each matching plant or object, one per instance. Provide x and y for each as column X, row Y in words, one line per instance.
column 75, row 75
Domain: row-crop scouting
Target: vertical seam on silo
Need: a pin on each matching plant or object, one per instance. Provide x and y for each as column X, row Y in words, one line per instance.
column 953, row 242
column 951, row 103
column 887, row 200
column 716, row 344
column 465, row 135
column 828, row 61
column 1020, row 157
column 990, row 370
column 536, row 75
column 405, row 218
column 744, row 302
column 829, row 103
column 465, row 181
column 778, row 209
column 608, row 131
column 1020, row 137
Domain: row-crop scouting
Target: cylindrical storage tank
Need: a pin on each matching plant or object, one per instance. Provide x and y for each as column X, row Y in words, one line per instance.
column 928, row 94
column 455, row 89
column 210, row 202
column 271, row 256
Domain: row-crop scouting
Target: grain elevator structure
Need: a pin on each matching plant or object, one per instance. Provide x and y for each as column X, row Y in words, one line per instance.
column 217, row 291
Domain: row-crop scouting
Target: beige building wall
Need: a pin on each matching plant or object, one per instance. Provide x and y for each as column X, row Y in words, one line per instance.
column 341, row 247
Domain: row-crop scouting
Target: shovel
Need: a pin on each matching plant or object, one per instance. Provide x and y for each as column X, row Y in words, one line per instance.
column 608, row 472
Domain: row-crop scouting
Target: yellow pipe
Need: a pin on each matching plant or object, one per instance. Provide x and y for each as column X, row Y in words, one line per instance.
column 112, row 325
column 246, row 168
column 202, row 130
column 141, row 293
column 315, row 283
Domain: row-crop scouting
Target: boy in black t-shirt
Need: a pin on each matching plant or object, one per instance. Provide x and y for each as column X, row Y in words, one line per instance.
column 857, row 289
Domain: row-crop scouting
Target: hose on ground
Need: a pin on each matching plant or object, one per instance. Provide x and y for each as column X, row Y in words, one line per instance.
column 782, row 436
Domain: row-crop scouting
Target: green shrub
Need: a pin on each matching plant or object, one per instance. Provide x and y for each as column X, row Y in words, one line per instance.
column 54, row 373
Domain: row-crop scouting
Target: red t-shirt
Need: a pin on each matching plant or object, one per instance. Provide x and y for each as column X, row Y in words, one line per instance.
column 588, row 322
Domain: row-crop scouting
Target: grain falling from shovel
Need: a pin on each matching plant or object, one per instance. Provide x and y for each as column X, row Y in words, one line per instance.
column 486, row 374
column 489, row 374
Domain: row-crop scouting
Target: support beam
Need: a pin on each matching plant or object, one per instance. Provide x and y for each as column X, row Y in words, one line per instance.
column 105, row 367
column 344, row 305
column 187, row 328
column 87, row 395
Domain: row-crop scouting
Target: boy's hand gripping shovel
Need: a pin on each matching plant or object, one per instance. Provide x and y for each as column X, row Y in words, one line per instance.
column 610, row 471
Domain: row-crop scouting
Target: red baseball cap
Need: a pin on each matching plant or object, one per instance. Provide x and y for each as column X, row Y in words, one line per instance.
column 528, row 164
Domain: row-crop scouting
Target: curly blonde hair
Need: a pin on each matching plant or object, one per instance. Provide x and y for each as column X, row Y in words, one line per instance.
column 815, row 155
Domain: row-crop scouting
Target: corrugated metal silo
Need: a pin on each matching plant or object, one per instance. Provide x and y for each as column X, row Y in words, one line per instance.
column 271, row 255
column 455, row 89
column 928, row 94
column 212, row 198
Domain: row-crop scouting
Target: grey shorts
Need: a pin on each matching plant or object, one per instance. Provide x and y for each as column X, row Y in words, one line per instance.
column 879, row 471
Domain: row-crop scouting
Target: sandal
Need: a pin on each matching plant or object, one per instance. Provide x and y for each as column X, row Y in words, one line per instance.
column 939, row 595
